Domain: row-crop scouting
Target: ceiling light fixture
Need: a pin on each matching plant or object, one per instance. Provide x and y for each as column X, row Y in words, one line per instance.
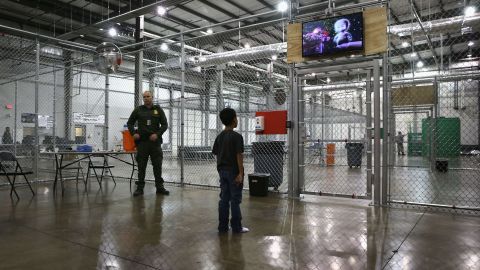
column 274, row 57
column 282, row 6
column 161, row 10
column 164, row 47
column 405, row 44
column 247, row 46
column 112, row 32
column 469, row 11
column 209, row 31
column 470, row 43
column 328, row 80
column 420, row 64
column 413, row 54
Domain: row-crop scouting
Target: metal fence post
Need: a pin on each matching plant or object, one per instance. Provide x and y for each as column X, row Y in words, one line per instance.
column 37, row 81
column 385, row 114
column 377, row 132
column 107, row 106
column 368, row 131
column 182, row 113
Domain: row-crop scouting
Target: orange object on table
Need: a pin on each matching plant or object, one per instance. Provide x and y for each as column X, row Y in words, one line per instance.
column 128, row 141
column 330, row 154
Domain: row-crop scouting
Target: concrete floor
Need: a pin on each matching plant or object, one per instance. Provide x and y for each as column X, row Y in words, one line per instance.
column 109, row 229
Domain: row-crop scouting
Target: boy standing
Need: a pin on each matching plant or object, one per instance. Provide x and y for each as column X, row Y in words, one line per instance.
column 228, row 148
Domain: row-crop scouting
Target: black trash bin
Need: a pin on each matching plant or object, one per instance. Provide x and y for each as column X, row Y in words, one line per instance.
column 258, row 184
column 268, row 158
column 441, row 165
column 354, row 154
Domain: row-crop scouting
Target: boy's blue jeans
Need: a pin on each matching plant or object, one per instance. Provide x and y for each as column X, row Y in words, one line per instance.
column 230, row 197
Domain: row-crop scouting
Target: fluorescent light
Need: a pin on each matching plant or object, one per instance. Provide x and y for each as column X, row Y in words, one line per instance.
column 413, row 54
column 469, row 55
column 164, row 47
column 112, row 32
column 420, row 64
column 282, row 6
column 274, row 57
column 101, row 29
column 470, row 11
column 247, row 45
column 258, row 74
column 82, row 36
column 313, row 74
column 405, row 44
column 161, row 10
column 328, row 80
column 209, row 31
column 470, row 44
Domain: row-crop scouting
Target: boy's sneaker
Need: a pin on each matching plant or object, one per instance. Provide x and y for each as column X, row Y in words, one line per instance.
column 138, row 192
column 243, row 230
column 163, row 191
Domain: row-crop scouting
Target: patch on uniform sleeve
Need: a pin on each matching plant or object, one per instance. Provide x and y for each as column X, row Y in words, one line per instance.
column 155, row 112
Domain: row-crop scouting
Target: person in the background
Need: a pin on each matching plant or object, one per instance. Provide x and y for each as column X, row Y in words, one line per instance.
column 7, row 137
column 399, row 141
column 228, row 148
column 152, row 123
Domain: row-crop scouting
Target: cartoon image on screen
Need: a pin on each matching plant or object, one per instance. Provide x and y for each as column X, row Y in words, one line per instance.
column 332, row 35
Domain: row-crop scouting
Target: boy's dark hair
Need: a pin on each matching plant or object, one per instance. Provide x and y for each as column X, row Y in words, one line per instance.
column 227, row 115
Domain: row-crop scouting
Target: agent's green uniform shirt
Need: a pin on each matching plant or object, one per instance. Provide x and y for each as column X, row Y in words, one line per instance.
column 150, row 121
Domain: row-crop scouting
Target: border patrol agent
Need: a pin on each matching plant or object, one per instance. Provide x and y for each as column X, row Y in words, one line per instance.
column 152, row 123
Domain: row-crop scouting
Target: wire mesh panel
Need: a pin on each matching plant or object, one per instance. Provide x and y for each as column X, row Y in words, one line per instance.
column 335, row 118
column 17, row 90
column 434, row 65
column 242, row 70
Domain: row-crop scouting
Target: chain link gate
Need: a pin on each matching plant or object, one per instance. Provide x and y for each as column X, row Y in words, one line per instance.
column 339, row 114
column 335, row 120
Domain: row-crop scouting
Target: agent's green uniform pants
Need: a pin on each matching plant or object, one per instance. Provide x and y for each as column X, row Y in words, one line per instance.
column 153, row 150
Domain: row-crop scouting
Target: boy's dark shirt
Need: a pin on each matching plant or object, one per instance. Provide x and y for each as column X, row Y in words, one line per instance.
column 226, row 147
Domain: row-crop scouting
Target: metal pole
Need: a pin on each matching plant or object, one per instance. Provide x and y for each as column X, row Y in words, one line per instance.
column 301, row 141
column 433, row 126
column 293, row 135
column 37, row 81
column 170, row 117
column 54, row 126
column 15, row 120
column 368, row 131
column 182, row 113
column 107, row 107
column 385, row 114
column 377, row 127
column 139, row 61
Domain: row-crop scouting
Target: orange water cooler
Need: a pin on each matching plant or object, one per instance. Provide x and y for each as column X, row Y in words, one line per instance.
column 128, row 142
column 330, row 154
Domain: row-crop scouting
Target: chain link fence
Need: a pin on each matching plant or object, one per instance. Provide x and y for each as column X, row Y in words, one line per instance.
column 77, row 105
column 434, row 115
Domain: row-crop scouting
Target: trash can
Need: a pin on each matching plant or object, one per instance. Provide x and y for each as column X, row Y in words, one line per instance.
column 268, row 158
column 441, row 165
column 354, row 154
column 258, row 184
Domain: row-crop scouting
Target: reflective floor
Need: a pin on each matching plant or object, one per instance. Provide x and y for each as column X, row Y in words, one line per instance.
column 109, row 229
